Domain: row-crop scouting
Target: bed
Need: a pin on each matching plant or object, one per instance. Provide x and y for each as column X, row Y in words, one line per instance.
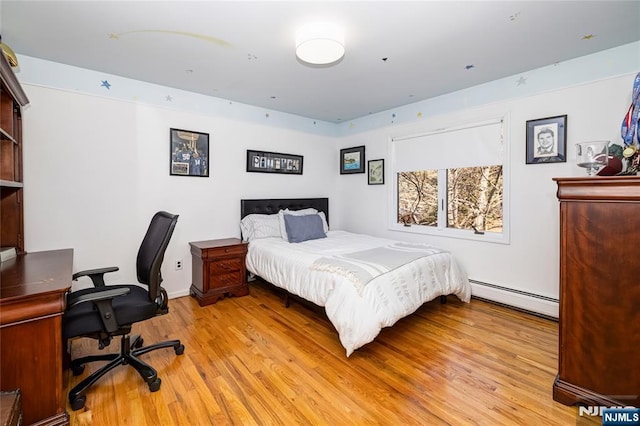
column 364, row 283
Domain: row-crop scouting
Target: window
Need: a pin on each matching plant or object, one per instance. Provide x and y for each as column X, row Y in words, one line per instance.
column 452, row 182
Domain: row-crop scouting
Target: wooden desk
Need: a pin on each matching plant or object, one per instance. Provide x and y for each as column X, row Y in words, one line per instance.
column 32, row 299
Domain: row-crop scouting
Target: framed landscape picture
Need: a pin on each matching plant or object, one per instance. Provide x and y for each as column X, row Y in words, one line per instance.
column 189, row 153
column 352, row 160
column 376, row 172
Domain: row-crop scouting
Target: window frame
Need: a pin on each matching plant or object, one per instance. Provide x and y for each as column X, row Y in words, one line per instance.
column 441, row 230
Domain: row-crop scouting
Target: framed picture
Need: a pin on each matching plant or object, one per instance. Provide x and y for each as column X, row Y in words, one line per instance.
column 189, row 153
column 376, row 172
column 547, row 140
column 274, row 162
column 352, row 160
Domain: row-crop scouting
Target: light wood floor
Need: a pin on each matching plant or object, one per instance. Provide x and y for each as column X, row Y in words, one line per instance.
column 250, row 360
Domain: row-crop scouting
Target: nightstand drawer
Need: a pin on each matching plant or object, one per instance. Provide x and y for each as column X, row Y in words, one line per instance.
column 226, row 280
column 226, row 266
column 237, row 250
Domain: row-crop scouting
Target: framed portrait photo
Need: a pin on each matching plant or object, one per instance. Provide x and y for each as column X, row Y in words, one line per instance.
column 189, row 153
column 547, row 140
column 376, row 172
column 352, row 160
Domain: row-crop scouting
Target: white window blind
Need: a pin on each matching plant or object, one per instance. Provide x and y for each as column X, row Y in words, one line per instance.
column 477, row 144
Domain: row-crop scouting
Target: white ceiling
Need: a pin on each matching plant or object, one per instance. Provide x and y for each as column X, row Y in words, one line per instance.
column 243, row 51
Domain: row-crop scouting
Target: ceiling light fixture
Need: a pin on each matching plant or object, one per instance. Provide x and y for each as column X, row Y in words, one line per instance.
column 320, row 43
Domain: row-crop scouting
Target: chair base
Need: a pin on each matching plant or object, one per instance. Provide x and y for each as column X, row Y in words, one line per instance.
column 130, row 349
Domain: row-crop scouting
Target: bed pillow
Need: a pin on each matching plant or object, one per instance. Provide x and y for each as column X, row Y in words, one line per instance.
column 325, row 225
column 281, row 213
column 256, row 226
column 303, row 228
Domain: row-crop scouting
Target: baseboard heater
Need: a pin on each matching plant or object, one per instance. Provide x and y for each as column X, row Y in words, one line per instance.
column 523, row 300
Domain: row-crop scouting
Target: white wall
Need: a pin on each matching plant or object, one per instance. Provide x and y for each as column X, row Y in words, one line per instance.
column 96, row 169
column 530, row 262
column 97, row 165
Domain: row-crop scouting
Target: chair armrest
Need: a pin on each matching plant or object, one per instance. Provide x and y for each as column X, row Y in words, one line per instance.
column 97, row 296
column 102, row 300
column 96, row 275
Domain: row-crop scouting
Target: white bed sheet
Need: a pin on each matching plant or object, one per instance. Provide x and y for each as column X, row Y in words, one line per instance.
column 358, row 317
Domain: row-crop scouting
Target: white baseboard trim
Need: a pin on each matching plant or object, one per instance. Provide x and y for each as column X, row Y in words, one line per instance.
column 519, row 299
column 176, row 294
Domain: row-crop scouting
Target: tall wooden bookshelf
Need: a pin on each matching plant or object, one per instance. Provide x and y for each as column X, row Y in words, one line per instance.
column 12, row 100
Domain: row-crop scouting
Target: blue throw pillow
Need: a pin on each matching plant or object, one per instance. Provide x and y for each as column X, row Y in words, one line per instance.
column 303, row 228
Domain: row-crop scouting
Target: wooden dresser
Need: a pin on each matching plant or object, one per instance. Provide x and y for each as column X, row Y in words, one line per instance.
column 599, row 336
column 218, row 269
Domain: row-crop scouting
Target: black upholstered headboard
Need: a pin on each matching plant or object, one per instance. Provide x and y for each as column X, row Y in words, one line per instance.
column 274, row 205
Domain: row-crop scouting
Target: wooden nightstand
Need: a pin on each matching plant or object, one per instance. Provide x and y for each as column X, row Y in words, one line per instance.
column 218, row 269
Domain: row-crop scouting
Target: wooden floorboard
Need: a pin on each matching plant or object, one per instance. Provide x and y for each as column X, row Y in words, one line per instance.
column 250, row 360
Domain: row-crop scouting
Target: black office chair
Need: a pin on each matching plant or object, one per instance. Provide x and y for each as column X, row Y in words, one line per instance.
column 102, row 312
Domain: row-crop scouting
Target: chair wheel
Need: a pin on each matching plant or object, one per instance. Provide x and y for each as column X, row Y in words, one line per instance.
column 77, row 370
column 78, row 403
column 138, row 343
column 179, row 350
column 155, row 385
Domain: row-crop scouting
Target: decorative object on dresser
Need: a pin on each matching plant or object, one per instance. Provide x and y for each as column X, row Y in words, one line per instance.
column 218, row 269
column 274, row 162
column 12, row 100
column 630, row 130
column 592, row 155
column 352, row 160
column 547, row 140
column 189, row 153
column 599, row 292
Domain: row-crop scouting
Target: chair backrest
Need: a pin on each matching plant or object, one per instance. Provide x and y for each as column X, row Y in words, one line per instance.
column 151, row 252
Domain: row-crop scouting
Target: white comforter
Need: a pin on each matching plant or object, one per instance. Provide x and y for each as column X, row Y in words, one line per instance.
column 358, row 314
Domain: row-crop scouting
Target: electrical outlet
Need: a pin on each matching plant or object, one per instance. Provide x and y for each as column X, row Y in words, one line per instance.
column 178, row 264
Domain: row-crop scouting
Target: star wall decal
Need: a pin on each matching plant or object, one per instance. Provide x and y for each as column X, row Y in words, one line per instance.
column 522, row 81
column 106, row 84
column 114, row 36
column 468, row 67
column 168, row 98
column 588, row 37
